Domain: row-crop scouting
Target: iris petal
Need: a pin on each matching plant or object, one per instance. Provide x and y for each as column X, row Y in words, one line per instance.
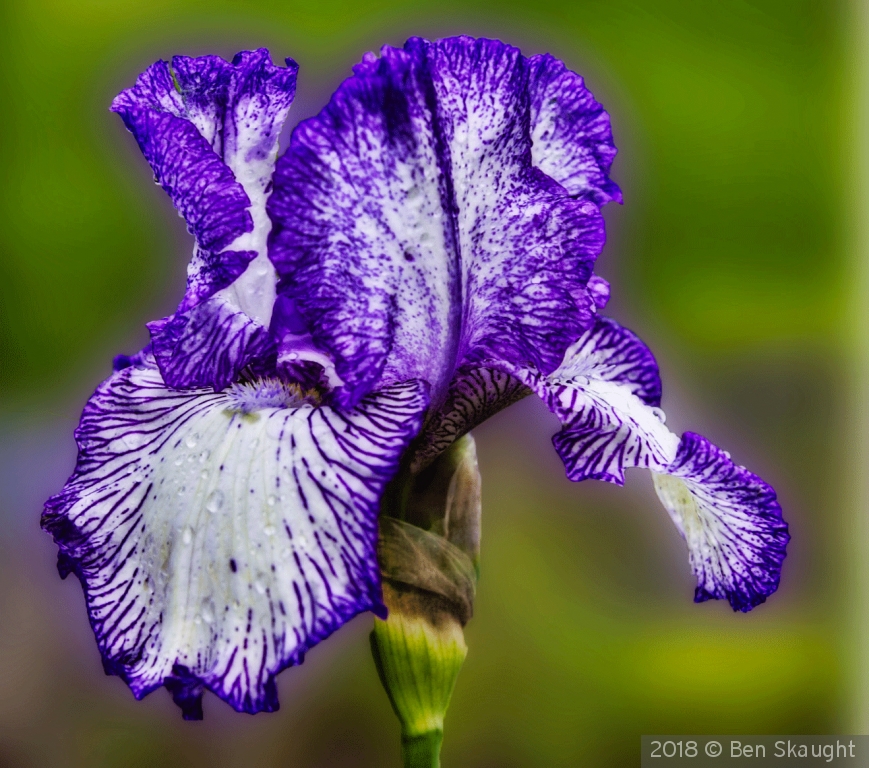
column 731, row 521
column 573, row 140
column 210, row 130
column 413, row 233
column 220, row 536
column 606, row 394
column 473, row 397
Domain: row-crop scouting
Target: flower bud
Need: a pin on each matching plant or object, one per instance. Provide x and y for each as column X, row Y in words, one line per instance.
column 418, row 652
column 429, row 563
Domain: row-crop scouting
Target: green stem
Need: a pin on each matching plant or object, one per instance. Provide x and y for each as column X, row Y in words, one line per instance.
column 422, row 751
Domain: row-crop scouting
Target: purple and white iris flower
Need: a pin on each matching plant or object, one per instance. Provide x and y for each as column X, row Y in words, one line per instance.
column 419, row 258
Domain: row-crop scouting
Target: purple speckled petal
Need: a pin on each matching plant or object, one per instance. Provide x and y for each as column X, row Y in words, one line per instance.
column 219, row 536
column 413, row 233
column 606, row 393
column 599, row 290
column 202, row 187
column 210, row 131
column 731, row 521
column 573, row 141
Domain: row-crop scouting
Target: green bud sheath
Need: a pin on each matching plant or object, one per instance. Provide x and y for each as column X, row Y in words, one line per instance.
column 418, row 652
column 429, row 558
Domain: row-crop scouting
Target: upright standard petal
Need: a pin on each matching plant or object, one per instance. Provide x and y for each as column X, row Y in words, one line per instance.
column 219, row 536
column 606, row 394
column 210, row 130
column 571, row 133
column 412, row 231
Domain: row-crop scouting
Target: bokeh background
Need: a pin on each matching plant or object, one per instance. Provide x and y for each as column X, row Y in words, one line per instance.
column 732, row 257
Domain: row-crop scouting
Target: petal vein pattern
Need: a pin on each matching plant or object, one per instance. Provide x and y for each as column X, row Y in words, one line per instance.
column 731, row 521
column 473, row 397
column 210, row 130
column 606, row 394
column 217, row 543
column 414, row 234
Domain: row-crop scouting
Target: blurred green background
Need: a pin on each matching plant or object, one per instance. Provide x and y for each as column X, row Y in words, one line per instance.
column 730, row 257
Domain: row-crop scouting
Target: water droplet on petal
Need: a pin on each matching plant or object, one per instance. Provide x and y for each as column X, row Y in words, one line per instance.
column 179, row 461
column 203, row 457
column 191, row 441
column 187, row 535
column 660, row 415
column 259, row 586
column 133, row 441
column 214, row 501
column 269, row 530
column 207, row 614
column 271, row 501
column 726, row 454
column 204, row 473
column 182, row 490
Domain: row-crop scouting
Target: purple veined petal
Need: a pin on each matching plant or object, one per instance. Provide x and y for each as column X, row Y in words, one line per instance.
column 210, row 130
column 573, row 140
column 412, row 232
column 599, row 290
column 210, row 342
column 218, row 536
column 731, row 521
column 606, row 393
column 474, row 396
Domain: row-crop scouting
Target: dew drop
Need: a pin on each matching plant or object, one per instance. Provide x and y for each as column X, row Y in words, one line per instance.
column 191, row 441
column 271, row 501
column 182, row 490
column 660, row 415
column 179, row 461
column 269, row 530
column 207, row 614
column 203, row 457
column 133, row 441
column 187, row 535
column 215, row 500
column 203, row 474
column 259, row 586
column 726, row 454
